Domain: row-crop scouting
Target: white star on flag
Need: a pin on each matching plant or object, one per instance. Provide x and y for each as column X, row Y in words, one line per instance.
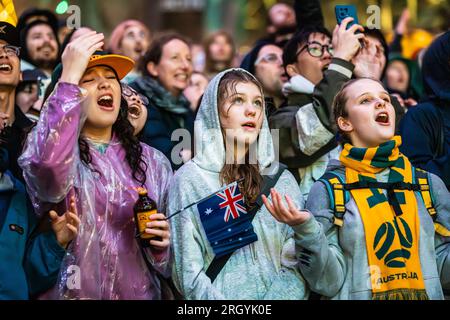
column 208, row 211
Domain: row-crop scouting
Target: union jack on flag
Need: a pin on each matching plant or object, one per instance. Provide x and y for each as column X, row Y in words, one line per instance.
column 225, row 220
column 232, row 201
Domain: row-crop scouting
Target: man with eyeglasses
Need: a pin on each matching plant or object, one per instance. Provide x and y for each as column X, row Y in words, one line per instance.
column 265, row 62
column 317, row 68
column 13, row 123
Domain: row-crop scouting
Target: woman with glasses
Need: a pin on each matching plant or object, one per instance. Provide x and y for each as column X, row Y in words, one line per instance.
column 137, row 108
column 317, row 67
column 265, row 62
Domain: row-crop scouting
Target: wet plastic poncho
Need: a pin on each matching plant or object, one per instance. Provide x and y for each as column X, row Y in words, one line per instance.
column 104, row 261
column 265, row 269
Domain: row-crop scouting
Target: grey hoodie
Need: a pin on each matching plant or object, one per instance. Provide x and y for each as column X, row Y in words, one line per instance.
column 334, row 259
column 265, row 269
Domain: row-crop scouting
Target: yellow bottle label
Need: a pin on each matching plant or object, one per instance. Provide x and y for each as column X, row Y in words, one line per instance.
column 143, row 219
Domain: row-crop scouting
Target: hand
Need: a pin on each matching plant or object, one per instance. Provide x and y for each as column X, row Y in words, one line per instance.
column 159, row 227
column 291, row 215
column 402, row 24
column 345, row 42
column 370, row 60
column 75, row 57
column 66, row 226
column 410, row 102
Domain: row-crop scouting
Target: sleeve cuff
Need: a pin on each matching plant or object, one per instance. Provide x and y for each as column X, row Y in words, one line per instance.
column 308, row 228
column 53, row 245
column 342, row 66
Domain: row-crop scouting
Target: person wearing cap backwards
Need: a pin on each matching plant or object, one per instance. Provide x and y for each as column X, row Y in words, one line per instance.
column 15, row 124
column 38, row 29
column 83, row 145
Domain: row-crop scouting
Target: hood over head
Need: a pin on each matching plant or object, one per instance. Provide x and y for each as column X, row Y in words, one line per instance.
column 436, row 68
column 209, row 142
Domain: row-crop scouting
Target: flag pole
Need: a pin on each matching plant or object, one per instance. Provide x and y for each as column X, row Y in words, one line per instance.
column 197, row 202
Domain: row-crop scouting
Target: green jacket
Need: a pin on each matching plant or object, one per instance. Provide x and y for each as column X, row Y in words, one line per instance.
column 306, row 125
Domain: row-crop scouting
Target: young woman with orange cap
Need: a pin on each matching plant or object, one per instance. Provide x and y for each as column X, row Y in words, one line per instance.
column 83, row 145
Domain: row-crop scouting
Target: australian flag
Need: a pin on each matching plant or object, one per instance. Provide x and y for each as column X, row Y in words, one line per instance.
column 225, row 220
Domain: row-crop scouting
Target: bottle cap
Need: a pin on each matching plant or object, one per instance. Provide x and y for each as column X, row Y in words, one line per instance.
column 142, row 191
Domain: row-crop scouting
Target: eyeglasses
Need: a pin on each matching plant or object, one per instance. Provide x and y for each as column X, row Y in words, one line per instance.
column 128, row 92
column 316, row 49
column 10, row 50
column 270, row 58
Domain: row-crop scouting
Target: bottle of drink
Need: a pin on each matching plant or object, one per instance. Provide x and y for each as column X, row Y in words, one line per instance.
column 143, row 209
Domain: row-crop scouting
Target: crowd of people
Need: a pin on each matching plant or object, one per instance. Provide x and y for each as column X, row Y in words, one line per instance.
column 317, row 165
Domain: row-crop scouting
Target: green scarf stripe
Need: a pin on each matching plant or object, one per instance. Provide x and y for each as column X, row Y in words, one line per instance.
column 384, row 151
column 357, row 153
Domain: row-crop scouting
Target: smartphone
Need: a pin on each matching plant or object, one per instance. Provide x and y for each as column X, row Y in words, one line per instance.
column 344, row 11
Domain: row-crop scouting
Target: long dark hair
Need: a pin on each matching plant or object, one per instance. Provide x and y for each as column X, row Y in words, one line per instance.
column 252, row 179
column 124, row 132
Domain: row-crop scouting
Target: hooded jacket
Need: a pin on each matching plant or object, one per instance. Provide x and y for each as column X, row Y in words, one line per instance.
column 425, row 129
column 265, row 269
column 104, row 261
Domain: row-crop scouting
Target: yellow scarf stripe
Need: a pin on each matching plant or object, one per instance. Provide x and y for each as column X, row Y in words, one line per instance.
column 392, row 242
column 355, row 163
column 8, row 12
column 441, row 230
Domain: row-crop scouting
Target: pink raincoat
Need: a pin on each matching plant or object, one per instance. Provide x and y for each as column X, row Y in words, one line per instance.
column 104, row 261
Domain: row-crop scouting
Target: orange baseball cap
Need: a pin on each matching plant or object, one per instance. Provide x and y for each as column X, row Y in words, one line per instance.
column 122, row 65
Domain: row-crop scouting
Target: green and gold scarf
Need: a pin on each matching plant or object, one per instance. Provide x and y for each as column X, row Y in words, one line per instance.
column 392, row 239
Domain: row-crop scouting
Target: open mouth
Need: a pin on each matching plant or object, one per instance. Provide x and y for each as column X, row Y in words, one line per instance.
column 382, row 118
column 106, row 101
column 134, row 111
column 325, row 67
column 4, row 67
column 249, row 125
column 138, row 49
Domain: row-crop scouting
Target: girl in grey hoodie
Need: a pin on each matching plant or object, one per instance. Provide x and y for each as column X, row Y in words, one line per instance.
column 382, row 244
column 265, row 268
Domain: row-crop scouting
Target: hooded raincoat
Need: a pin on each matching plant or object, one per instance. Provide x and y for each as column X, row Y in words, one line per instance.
column 104, row 261
column 265, row 269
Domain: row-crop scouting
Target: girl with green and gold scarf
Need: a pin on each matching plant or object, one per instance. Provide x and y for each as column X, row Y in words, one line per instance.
column 386, row 245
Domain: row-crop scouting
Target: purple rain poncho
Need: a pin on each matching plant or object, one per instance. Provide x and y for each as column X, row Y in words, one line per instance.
column 104, row 261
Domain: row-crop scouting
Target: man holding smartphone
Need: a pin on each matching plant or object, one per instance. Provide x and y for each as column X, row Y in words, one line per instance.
column 317, row 67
